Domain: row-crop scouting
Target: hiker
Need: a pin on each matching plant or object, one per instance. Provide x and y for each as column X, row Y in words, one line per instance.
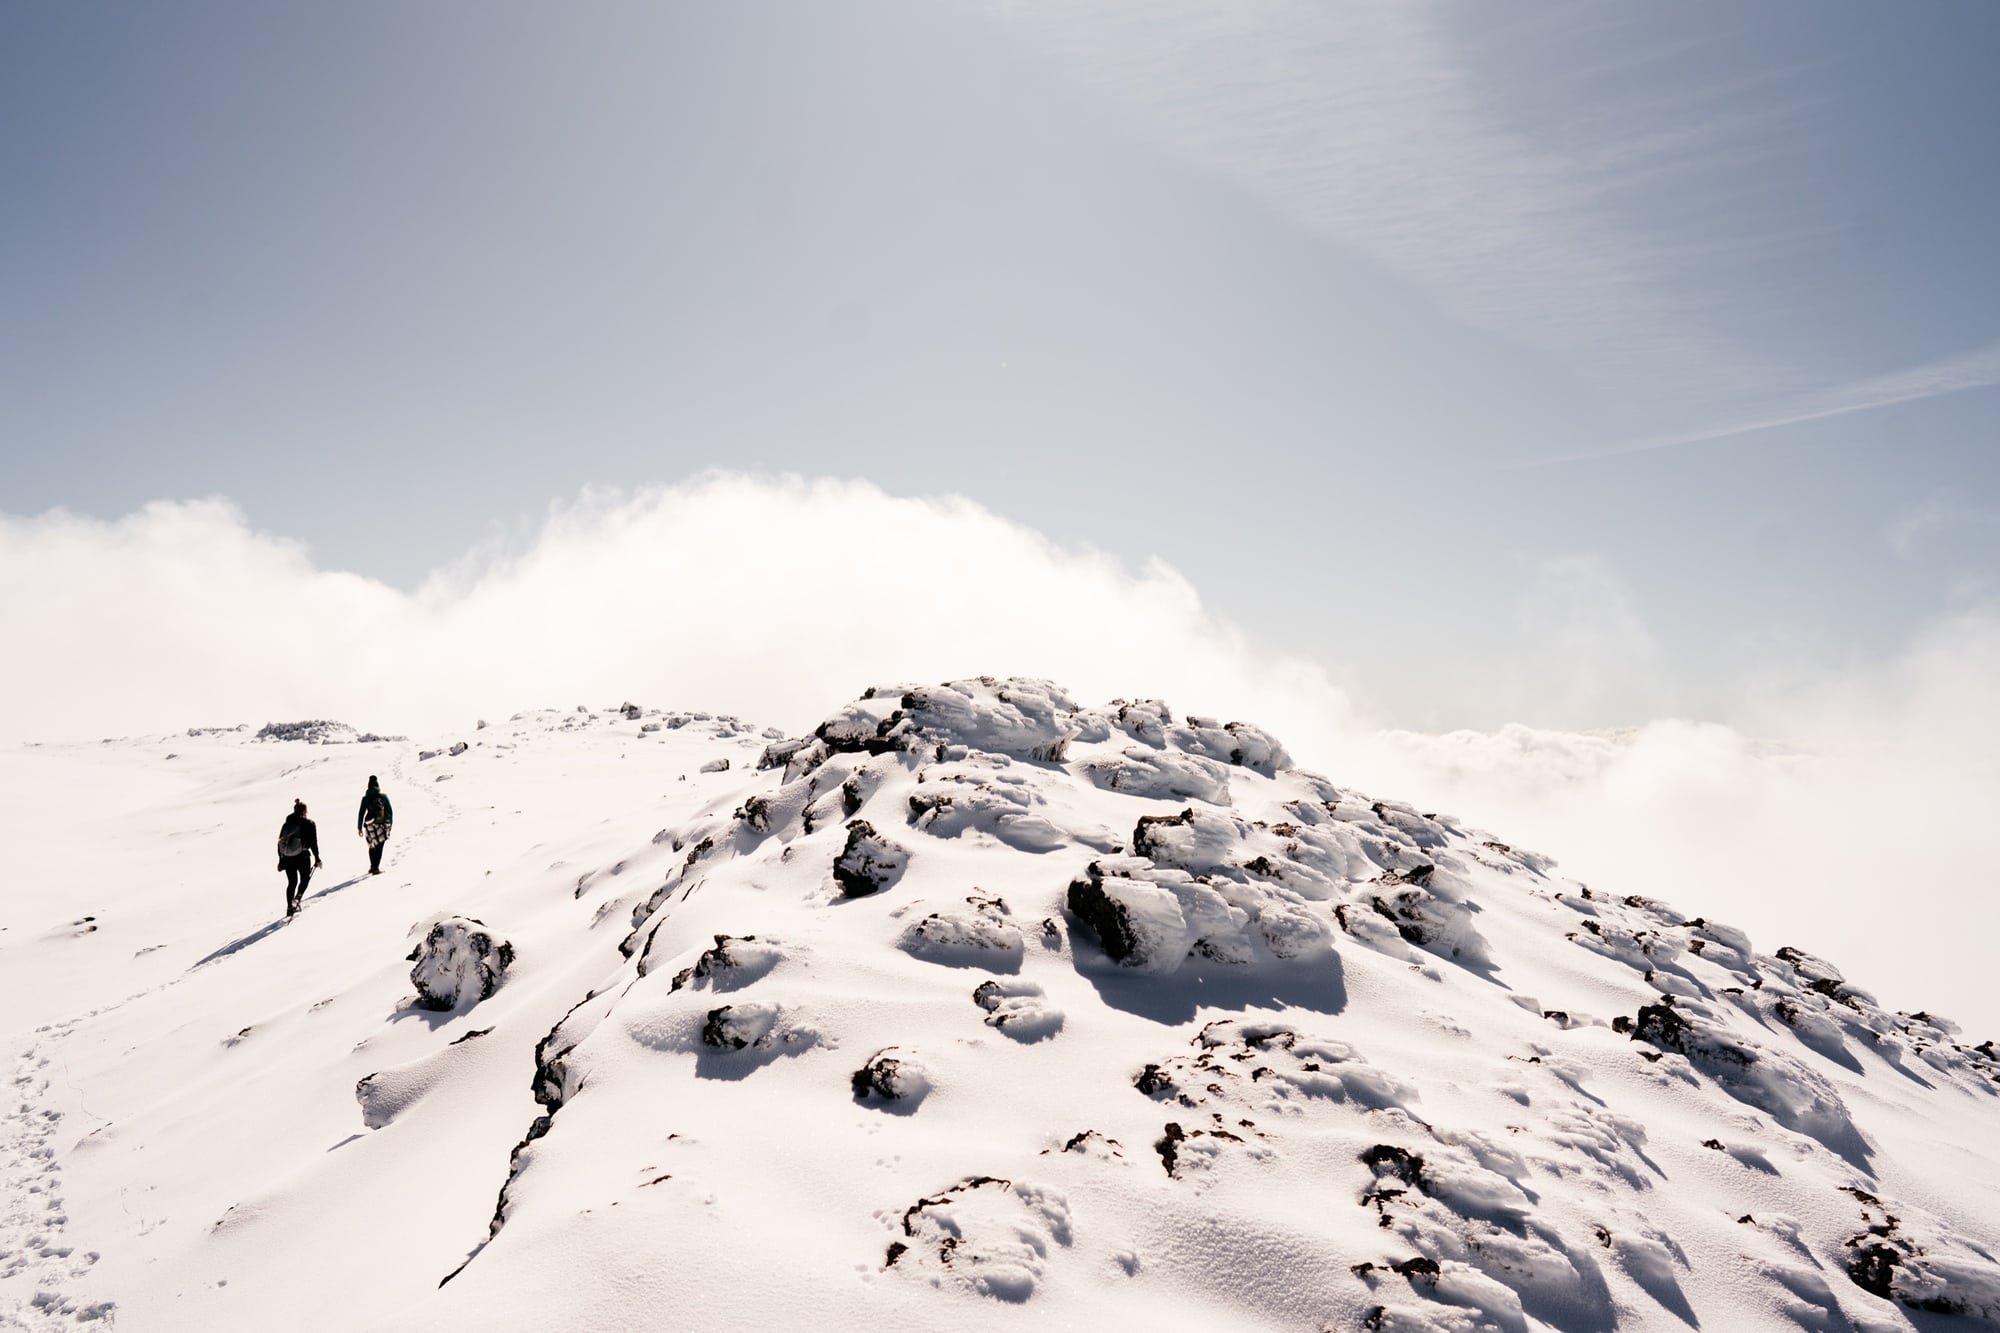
column 298, row 855
column 373, row 823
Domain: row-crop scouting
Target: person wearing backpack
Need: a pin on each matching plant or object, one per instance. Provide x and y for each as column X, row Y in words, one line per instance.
column 373, row 822
column 298, row 855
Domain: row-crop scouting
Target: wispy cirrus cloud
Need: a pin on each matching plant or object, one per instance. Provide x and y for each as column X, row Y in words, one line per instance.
column 1962, row 373
column 1642, row 222
column 1365, row 123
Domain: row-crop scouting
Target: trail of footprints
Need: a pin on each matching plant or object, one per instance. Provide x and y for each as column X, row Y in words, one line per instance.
column 38, row 1266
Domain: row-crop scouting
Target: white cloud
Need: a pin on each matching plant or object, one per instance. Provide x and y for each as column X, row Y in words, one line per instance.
column 1856, row 832
column 776, row 599
column 1859, row 834
column 1591, row 652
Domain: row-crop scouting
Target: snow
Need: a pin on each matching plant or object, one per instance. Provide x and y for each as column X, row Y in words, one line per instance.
column 977, row 1006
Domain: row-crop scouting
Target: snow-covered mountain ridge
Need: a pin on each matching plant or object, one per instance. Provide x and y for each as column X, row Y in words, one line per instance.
column 973, row 1008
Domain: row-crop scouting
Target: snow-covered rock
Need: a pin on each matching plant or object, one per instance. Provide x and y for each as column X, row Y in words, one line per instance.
column 984, row 936
column 990, row 1237
column 892, row 1075
column 459, row 963
column 869, row 862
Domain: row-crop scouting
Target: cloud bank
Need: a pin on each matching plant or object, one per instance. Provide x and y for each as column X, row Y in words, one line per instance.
column 776, row 599
column 1858, row 836
column 1853, row 828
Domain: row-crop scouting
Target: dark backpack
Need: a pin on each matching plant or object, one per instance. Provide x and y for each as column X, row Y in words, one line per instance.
column 291, row 840
column 374, row 808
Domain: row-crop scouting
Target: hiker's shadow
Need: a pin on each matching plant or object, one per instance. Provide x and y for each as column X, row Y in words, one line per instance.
column 235, row 946
column 330, row 891
column 238, row 945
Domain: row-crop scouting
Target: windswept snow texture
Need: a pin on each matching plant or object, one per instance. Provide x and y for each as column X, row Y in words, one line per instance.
column 975, row 1008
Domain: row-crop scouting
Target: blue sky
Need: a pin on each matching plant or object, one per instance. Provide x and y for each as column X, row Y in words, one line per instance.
column 1565, row 364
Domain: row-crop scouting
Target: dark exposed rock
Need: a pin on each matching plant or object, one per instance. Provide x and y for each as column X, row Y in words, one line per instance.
column 1660, row 1025
column 713, row 962
column 1082, row 1141
column 851, row 735
column 779, row 753
column 1404, row 914
column 888, row 1077
column 548, row 1087
column 853, row 794
column 717, row 1031
column 1168, row 1145
column 1104, row 915
column 868, row 863
column 1872, row 1266
column 1816, row 973
column 1154, row 1081
column 1388, row 1161
column 1145, row 841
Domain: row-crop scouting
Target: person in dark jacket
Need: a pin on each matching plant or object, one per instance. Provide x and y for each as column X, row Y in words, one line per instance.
column 373, row 822
column 298, row 855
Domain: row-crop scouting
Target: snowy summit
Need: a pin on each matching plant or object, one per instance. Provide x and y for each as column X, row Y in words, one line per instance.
column 976, row 1008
